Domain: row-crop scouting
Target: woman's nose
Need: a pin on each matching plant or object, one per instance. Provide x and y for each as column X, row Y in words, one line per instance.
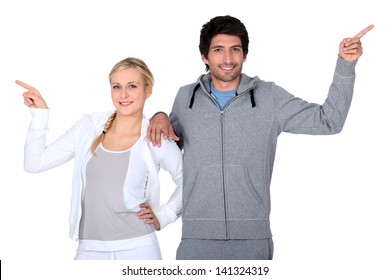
column 124, row 93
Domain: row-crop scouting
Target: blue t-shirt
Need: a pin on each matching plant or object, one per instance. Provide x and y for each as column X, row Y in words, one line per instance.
column 222, row 97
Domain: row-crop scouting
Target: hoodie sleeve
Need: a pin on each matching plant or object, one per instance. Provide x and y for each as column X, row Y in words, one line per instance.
column 38, row 156
column 297, row 116
column 171, row 161
column 174, row 118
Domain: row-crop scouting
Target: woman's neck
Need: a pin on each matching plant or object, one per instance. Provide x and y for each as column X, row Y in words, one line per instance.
column 127, row 124
column 123, row 134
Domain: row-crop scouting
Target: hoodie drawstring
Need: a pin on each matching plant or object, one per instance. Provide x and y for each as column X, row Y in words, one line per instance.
column 193, row 95
column 253, row 98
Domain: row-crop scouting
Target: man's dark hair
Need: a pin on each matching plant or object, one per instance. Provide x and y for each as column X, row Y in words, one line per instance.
column 227, row 25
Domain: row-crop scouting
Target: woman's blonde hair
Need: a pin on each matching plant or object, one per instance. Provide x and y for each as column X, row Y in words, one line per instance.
column 130, row 62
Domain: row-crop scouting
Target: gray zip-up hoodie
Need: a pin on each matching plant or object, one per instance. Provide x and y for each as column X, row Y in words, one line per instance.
column 229, row 154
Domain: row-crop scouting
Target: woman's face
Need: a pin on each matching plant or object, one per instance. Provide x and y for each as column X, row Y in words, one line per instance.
column 128, row 91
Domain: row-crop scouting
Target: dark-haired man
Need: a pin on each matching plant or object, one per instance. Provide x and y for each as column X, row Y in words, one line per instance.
column 227, row 124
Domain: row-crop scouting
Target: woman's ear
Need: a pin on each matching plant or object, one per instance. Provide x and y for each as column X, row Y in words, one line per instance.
column 149, row 91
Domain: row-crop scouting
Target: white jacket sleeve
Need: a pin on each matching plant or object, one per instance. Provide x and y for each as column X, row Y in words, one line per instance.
column 171, row 161
column 37, row 155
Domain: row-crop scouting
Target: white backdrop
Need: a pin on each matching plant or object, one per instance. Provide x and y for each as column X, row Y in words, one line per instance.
column 330, row 209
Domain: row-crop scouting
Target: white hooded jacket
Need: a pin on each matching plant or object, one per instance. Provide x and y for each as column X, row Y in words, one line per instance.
column 76, row 143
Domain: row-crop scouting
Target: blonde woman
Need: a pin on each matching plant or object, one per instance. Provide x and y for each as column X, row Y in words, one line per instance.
column 115, row 207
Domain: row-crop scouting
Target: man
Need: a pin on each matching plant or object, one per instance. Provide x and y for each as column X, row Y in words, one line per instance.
column 227, row 124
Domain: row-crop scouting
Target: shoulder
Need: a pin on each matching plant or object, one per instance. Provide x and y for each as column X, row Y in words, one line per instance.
column 94, row 120
column 168, row 148
column 255, row 83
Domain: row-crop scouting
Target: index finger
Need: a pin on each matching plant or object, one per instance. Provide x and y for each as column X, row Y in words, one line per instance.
column 26, row 86
column 364, row 31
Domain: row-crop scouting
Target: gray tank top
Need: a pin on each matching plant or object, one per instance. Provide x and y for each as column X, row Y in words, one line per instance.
column 104, row 216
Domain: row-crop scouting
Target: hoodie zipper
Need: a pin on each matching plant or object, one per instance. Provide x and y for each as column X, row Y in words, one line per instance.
column 222, row 119
column 227, row 235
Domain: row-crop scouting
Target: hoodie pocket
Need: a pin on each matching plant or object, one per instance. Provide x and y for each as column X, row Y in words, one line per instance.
column 203, row 194
column 244, row 202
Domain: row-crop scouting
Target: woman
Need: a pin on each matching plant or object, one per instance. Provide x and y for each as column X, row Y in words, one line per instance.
column 115, row 198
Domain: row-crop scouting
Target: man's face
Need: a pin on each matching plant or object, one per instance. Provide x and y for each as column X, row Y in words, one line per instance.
column 225, row 59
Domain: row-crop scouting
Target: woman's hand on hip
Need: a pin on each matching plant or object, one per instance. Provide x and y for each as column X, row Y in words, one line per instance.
column 148, row 215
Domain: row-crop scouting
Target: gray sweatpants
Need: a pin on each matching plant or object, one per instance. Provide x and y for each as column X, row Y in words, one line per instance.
column 212, row 249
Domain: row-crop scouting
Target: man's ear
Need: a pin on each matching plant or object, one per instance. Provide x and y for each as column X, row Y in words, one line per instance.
column 204, row 59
